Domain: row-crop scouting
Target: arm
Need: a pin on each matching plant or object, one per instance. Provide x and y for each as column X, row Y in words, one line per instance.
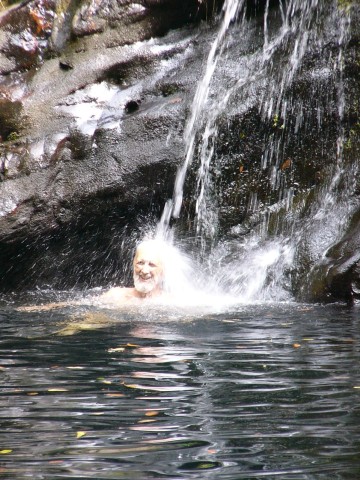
column 47, row 306
column 114, row 296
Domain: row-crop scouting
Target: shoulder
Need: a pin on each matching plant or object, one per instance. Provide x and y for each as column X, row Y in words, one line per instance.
column 117, row 295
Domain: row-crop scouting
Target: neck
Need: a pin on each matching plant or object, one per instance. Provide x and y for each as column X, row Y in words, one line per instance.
column 156, row 292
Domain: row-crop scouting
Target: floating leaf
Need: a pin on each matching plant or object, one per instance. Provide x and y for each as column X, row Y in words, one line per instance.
column 207, row 465
column 31, row 394
column 58, row 390
column 200, row 465
column 132, row 345
column 296, row 345
column 131, row 385
column 116, row 349
column 114, row 395
column 80, row 434
column 5, row 451
column 286, row 164
column 151, row 413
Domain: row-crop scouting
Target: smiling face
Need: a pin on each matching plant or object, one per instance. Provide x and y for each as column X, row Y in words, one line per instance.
column 148, row 269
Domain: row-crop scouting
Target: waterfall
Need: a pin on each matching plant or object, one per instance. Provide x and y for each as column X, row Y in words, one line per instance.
column 173, row 206
column 283, row 230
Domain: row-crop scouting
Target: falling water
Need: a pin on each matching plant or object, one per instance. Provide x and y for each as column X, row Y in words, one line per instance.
column 173, row 206
column 258, row 266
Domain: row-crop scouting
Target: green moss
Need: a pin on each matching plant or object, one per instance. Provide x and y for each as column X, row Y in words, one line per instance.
column 345, row 4
column 353, row 135
column 4, row 4
column 63, row 6
column 277, row 123
column 276, row 120
column 169, row 89
column 13, row 136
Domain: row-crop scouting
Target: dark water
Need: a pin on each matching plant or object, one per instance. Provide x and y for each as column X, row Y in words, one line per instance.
column 261, row 392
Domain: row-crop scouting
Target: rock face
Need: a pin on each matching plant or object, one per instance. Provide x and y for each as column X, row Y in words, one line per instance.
column 94, row 98
column 91, row 121
column 336, row 275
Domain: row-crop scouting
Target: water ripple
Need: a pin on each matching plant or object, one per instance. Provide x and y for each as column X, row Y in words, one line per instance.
column 250, row 397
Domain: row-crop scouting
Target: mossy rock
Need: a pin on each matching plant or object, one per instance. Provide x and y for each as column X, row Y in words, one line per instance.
column 10, row 120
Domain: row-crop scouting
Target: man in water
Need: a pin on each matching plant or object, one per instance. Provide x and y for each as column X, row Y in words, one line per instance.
column 148, row 275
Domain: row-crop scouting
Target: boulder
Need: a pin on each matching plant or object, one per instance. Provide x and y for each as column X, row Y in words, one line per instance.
column 337, row 276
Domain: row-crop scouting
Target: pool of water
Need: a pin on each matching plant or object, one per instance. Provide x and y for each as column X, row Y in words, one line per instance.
column 261, row 391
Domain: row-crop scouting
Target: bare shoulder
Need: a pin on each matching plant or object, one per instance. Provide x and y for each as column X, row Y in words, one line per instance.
column 118, row 295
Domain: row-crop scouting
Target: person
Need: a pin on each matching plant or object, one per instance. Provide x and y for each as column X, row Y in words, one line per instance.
column 148, row 276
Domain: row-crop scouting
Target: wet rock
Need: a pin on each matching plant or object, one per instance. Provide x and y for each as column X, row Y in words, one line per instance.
column 132, row 105
column 337, row 276
column 61, row 32
column 343, row 278
column 10, row 119
column 66, row 64
column 74, row 163
column 25, row 33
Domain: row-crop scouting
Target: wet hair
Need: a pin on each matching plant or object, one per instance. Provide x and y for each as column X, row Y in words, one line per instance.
column 177, row 272
column 156, row 246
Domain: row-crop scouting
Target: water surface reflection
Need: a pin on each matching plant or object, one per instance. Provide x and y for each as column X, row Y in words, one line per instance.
column 268, row 391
